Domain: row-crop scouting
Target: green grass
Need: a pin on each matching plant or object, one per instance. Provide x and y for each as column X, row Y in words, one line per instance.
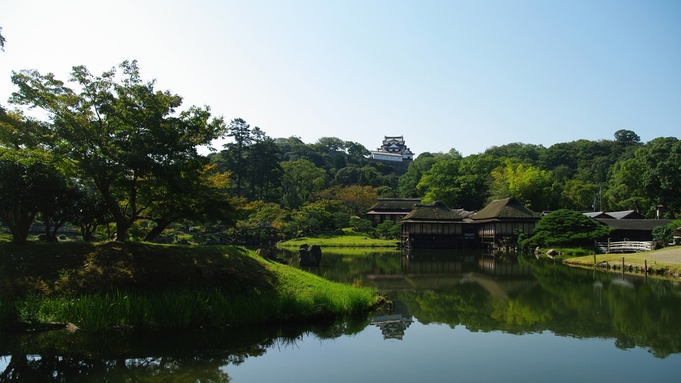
column 106, row 285
column 347, row 239
column 635, row 260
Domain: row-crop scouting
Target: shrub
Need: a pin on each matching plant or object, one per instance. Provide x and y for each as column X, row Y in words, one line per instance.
column 566, row 228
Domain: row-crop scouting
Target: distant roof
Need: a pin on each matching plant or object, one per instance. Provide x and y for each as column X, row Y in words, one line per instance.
column 437, row 211
column 393, row 138
column 625, row 214
column 634, row 224
column 597, row 214
column 396, row 204
column 507, row 208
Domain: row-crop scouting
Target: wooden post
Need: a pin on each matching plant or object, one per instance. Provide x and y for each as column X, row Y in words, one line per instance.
column 594, row 259
column 645, row 265
column 622, row 264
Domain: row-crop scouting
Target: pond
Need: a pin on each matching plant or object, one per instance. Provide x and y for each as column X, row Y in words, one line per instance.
column 457, row 316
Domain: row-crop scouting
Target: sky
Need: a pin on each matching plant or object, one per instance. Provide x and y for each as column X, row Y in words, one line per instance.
column 466, row 75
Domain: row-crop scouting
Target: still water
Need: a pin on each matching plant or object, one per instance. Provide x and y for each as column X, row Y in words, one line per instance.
column 457, row 316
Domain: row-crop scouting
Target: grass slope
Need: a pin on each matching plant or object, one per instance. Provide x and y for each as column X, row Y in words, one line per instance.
column 99, row 286
column 667, row 260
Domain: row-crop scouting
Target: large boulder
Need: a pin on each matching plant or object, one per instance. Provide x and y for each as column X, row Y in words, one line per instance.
column 310, row 256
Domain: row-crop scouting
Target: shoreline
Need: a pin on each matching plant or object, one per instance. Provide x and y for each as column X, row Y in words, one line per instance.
column 146, row 286
column 663, row 262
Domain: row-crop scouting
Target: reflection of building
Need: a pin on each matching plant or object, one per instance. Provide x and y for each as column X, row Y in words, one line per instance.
column 394, row 323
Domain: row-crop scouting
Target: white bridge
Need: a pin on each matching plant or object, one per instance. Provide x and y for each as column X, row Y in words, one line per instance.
column 625, row 246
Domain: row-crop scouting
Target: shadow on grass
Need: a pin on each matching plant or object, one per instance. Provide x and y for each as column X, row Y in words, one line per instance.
column 77, row 268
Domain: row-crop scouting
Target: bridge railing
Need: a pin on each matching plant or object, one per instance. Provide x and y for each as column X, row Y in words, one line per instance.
column 625, row 246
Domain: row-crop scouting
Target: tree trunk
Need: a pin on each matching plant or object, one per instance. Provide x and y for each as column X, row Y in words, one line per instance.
column 122, row 222
column 156, row 231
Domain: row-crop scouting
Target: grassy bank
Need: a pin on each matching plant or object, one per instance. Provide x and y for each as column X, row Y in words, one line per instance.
column 349, row 238
column 664, row 261
column 100, row 286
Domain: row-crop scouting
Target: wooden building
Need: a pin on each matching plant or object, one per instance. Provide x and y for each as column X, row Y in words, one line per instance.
column 502, row 219
column 391, row 209
column 437, row 226
column 632, row 229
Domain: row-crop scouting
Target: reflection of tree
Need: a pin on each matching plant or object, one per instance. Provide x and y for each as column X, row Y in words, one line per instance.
column 53, row 368
column 467, row 304
column 195, row 355
column 568, row 302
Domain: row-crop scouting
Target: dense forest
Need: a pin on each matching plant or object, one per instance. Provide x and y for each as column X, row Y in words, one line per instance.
column 113, row 156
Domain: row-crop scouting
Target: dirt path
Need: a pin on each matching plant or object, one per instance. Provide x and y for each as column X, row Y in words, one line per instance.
column 666, row 255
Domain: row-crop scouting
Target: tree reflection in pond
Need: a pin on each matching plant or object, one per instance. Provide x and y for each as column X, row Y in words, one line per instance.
column 481, row 294
column 199, row 355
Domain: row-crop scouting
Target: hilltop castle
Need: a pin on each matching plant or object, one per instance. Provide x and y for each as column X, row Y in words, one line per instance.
column 393, row 150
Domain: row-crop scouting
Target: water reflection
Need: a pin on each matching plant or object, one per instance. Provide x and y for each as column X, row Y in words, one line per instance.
column 476, row 291
column 393, row 321
column 198, row 355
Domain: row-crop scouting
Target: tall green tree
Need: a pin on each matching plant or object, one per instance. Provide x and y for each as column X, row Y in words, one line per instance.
column 458, row 182
column 580, row 195
column 198, row 195
column 264, row 171
column 240, row 131
column 26, row 191
column 527, row 153
column 117, row 132
column 527, row 183
column 651, row 177
column 627, row 138
column 661, row 179
column 625, row 186
column 300, row 179
column 406, row 185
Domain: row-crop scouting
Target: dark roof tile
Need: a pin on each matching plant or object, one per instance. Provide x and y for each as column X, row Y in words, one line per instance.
column 507, row 208
column 437, row 211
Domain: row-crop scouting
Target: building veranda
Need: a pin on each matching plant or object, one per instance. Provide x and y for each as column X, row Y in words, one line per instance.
column 437, row 226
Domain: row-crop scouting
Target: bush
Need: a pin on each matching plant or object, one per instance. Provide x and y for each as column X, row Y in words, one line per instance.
column 361, row 225
column 566, row 228
column 663, row 235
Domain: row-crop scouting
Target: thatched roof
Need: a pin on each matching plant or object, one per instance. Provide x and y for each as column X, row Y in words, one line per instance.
column 507, row 208
column 394, row 205
column 464, row 213
column 437, row 211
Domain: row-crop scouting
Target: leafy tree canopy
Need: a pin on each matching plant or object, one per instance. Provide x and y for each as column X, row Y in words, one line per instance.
column 117, row 132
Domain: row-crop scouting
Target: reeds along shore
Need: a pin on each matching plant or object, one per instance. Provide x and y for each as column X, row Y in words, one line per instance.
column 242, row 288
column 184, row 309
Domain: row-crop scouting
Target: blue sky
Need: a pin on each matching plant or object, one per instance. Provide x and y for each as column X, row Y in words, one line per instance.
column 444, row 74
